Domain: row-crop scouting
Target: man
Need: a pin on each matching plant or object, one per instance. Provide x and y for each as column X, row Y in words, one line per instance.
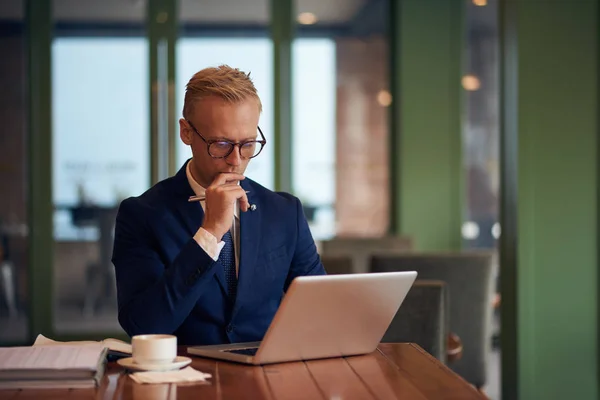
column 207, row 255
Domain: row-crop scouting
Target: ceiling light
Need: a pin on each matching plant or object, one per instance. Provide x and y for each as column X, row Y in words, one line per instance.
column 307, row 18
column 480, row 3
column 470, row 230
column 384, row 98
column 496, row 231
column 471, row 83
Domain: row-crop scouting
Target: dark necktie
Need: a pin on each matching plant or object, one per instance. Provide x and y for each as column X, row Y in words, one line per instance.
column 227, row 258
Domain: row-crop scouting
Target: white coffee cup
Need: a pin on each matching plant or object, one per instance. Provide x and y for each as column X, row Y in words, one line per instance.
column 154, row 349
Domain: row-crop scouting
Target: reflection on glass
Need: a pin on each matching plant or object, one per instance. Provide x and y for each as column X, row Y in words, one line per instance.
column 340, row 121
column 100, row 156
column 481, row 128
column 481, row 150
column 13, row 177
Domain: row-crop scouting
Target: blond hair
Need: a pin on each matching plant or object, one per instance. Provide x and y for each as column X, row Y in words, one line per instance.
column 223, row 81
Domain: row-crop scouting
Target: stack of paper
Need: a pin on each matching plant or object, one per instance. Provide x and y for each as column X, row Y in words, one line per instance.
column 115, row 347
column 80, row 366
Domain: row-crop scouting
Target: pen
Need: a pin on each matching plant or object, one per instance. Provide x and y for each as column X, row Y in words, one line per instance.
column 202, row 198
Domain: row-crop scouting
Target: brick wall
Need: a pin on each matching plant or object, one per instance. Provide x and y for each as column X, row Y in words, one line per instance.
column 362, row 183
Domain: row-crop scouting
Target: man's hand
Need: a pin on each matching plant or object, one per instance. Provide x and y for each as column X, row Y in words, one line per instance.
column 221, row 196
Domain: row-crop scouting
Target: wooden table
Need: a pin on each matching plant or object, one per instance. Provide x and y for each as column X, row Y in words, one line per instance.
column 395, row 371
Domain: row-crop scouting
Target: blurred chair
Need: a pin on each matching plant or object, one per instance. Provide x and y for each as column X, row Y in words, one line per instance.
column 361, row 249
column 423, row 318
column 7, row 279
column 470, row 285
column 8, row 287
column 337, row 264
column 100, row 275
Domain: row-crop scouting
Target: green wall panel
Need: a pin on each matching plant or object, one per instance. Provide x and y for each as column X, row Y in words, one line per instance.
column 557, row 275
column 282, row 33
column 426, row 122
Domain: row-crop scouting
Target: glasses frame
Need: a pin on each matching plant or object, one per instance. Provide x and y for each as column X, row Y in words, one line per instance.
column 208, row 142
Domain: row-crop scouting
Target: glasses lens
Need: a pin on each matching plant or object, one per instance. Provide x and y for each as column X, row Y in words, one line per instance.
column 220, row 149
column 250, row 149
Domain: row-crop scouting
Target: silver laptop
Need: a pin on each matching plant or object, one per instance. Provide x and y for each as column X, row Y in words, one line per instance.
column 322, row 317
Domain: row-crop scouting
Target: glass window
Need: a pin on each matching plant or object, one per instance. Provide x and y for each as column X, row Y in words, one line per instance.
column 100, row 151
column 481, row 128
column 340, row 121
column 216, row 32
column 252, row 55
column 100, row 125
column 314, row 127
column 481, row 141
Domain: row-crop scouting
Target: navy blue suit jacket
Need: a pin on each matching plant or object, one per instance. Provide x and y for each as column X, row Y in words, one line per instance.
column 166, row 283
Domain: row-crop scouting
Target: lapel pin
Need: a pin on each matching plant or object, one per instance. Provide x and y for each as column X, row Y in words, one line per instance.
column 253, row 207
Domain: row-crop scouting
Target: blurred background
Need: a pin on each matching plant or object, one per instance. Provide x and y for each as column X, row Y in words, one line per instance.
column 449, row 136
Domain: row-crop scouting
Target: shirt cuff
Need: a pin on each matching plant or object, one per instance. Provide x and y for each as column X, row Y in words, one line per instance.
column 209, row 244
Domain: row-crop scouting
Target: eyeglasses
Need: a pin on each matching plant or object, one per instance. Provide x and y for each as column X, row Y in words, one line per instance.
column 223, row 148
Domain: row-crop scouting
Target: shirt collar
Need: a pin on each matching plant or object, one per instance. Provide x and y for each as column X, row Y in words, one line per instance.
column 198, row 190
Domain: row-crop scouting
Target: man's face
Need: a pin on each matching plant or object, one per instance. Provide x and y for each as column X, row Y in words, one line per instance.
column 217, row 119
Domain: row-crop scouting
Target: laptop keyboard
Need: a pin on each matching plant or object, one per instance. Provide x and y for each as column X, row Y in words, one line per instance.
column 251, row 351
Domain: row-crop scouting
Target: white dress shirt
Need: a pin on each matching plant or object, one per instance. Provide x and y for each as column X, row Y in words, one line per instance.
column 207, row 240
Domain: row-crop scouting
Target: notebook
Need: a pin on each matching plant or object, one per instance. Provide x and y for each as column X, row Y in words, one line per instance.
column 116, row 348
column 52, row 367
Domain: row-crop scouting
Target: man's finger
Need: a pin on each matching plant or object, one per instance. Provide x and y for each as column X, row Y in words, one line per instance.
column 227, row 189
column 238, row 193
column 228, row 186
column 243, row 202
column 227, row 177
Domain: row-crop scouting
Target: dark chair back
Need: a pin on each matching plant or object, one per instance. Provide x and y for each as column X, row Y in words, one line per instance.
column 423, row 318
column 361, row 249
column 337, row 264
column 470, row 284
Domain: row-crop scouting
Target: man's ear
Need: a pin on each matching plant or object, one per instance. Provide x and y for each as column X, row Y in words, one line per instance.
column 185, row 133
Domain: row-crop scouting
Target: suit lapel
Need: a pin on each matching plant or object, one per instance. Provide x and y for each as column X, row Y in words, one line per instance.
column 190, row 214
column 249, row 245
column 193, row 215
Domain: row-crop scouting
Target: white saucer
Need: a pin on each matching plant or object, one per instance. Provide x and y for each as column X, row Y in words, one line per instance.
column 179, row 362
